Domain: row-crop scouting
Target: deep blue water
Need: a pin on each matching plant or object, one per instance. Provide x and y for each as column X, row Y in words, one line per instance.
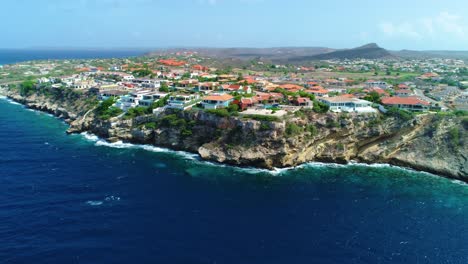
column 9, row 56
column 69, row 199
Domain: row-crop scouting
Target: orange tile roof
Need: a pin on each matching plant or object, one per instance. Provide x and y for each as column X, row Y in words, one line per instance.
column 403, row 101
column 291, row 86
column 223, row 97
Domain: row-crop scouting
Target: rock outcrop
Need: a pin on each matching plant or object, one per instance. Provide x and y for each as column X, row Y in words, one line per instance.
column 427, row 142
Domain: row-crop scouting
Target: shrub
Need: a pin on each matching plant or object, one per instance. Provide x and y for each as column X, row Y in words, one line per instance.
column 332, row 123
column 461, row 113
column 293, row 129
column 312, row 130
column 454, row 136
column 320, row 107
column 105, row 110
column 233, row 108
column 27, row 88
column 151, row 125
column 219, row 112
column 264, row 126
column 300, row 114
column 263, row 118
column 186, row 132
column 400, row 114
column 137, row 111
column 160, row 103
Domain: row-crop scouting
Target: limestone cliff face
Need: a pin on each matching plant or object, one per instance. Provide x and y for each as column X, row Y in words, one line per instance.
column 427, row 142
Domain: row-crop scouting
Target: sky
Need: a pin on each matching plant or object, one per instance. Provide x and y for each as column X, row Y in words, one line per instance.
column 395, row 24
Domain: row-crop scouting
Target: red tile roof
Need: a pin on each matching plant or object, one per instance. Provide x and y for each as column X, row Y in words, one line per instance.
column 223, row 97
column 403, row 101
column 291, row 86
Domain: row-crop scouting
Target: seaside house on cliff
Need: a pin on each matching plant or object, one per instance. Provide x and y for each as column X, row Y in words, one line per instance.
column 150, row 98
column 414, row 104
column 183, row 101
column 216, row 101
column 348, row 104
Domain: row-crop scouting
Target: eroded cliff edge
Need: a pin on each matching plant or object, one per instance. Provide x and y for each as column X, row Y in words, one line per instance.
column 429, row 142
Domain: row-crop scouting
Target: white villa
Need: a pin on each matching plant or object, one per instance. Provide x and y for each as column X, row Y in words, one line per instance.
column 183, row 101
column 346, row 104
column 149, row 99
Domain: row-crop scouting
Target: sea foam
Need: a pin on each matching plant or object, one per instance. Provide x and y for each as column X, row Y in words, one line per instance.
column 274, row 172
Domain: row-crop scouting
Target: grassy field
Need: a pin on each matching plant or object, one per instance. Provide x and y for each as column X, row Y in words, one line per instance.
column 333, row 75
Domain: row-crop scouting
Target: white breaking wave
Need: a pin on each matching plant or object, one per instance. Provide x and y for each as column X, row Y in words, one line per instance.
column 250, row 170
column 460, row 182
column 90, row 137
column 9, row 100
column 122, row 145
column 94, row 203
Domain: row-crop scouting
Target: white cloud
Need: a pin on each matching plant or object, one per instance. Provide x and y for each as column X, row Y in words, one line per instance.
column 404, row 29
column 451, row 23
column 444, row 23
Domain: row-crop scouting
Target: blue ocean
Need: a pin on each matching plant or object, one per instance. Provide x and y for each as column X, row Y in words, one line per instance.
column 9, row 56
column 76, row 199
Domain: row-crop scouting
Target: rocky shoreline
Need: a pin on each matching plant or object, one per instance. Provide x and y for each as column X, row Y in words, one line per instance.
column 424, row 143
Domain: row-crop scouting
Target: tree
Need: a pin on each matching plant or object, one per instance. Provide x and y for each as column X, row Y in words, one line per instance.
column 320, row 107
column 164, row 87
column 373, row 97
column 27, row 87
column 233, row 108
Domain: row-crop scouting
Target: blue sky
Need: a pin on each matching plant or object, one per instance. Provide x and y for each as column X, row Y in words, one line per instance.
column 396, row 24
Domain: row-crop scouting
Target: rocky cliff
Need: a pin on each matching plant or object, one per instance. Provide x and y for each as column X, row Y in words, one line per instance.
column 429, row 142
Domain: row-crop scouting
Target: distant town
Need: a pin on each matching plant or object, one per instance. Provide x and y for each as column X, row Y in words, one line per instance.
column 187, row 80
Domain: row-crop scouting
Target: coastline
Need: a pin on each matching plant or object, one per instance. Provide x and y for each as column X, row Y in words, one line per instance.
column 69, row 118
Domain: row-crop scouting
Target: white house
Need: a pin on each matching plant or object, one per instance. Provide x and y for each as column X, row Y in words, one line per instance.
column 183, row 101
column 216, row 101
column 346, row 104
column 128, row 77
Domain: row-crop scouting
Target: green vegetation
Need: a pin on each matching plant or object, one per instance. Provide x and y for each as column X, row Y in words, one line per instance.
column 264, row 126
column 454, row 134
column 222, row 112
column 312, row 129
column 262, row 118
column 137, row 111
column 142, row 72
column 151, row 125
column 173, row 120
column 320, row 107
column 164, row 87
column 105, row 110
column 160, row 103
column 331, row 123
column 27, row 88
column 400, row 114
column 293, row 129
column 373, row 97
column 300, row 114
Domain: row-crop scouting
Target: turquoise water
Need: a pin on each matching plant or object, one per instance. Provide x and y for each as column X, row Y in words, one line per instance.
column 76, row 199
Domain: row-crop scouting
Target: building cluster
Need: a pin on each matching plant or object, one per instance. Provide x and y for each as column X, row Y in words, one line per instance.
column 185, row 82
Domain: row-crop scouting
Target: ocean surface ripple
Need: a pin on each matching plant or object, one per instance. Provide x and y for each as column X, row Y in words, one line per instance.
column 78, row 199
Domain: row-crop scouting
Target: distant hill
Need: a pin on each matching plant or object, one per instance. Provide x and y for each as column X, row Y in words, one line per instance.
column 304, row 55
column 369, row 51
